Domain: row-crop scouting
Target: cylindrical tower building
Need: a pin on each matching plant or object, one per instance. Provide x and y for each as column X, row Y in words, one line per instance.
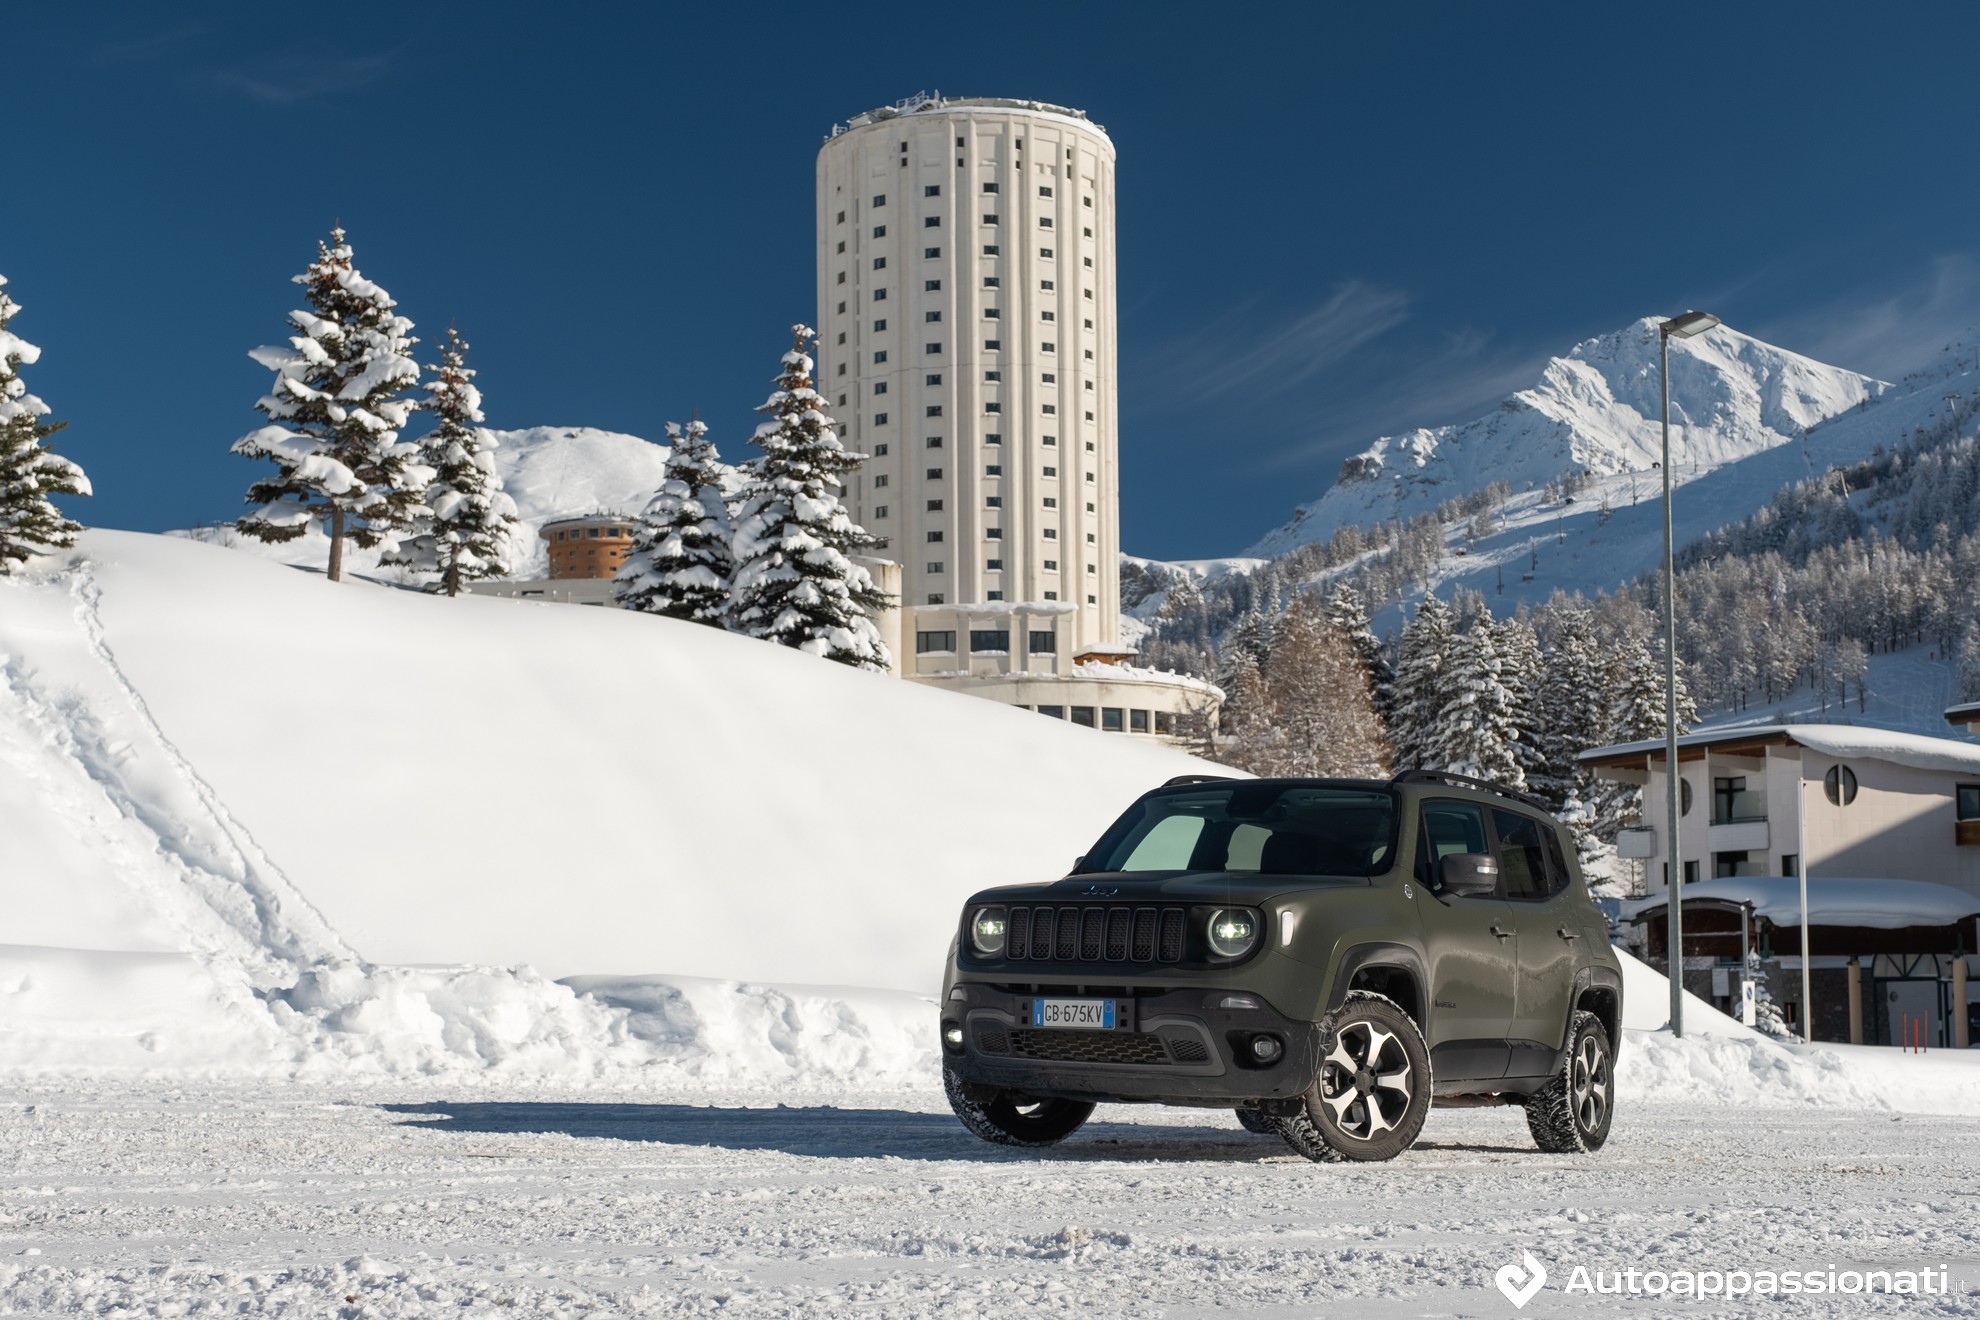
column 967, row 344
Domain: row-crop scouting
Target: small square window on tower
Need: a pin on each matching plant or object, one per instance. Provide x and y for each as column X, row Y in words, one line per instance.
column 880, row 199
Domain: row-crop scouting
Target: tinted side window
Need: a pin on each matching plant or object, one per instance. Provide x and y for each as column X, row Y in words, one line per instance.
column 1450, row 828
column 1523, row 855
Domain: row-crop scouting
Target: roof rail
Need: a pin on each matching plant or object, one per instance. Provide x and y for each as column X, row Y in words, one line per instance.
column 1466, row 781
column 1200, row 779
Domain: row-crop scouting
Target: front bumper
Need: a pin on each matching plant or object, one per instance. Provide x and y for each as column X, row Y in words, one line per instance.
column 1184, row 1048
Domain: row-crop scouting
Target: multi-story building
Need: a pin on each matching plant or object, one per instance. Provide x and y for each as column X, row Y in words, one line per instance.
column 967, row 345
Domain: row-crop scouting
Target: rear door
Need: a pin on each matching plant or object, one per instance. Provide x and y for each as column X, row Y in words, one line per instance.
column 1551, row 926
column 1471, row 965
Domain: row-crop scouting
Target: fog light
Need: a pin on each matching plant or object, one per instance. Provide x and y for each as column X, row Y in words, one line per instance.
column 952, row 1035
column 1266, row 1049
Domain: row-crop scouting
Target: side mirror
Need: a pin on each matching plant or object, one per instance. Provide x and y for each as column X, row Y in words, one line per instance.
column 1468, row 875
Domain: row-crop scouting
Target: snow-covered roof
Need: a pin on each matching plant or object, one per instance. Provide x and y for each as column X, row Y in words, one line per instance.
column 923, row 102
column 1832, row 901
column 1967, row 712
column 1839, row 740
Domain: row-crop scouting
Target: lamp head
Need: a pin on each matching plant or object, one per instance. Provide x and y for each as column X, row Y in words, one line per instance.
column 1687, row 325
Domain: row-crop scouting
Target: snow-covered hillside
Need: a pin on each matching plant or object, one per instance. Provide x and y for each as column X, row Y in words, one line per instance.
column 1594, row 411
column 550, row 471
column 222, row 782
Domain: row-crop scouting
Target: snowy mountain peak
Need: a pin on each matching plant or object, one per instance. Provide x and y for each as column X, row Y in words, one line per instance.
column 1595, row 410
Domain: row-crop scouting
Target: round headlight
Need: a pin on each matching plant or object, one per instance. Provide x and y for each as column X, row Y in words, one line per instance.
column 986, row 932
column 1233, row 932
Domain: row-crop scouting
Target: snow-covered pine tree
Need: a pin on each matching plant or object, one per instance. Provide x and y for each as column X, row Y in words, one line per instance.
column 1475, row 733
column 1421, row 685
column 1322, row 713
column 1969, row 663
column 335, row 414
column 1349, row 614
column 1522, row 671
column 473, row 527
column 680, row 565
column 1248, row 738
column 30, row 471
column 795, row 582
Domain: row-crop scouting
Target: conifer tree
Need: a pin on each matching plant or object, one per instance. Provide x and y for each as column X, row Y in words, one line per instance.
column 1322, row 715
column 1474, row 733
column 1427, row 642
column 30, row 472
column 473, row 528
column 1350, row 615
column 680, row 565
column 795, row 583
column 335, row 413
column 1520, row 670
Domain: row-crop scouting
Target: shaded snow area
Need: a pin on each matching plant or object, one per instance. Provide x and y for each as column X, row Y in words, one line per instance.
column 407, row 1205
column 549, row 471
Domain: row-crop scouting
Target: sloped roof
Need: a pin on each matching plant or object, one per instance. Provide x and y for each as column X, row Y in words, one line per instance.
column 1839, row 740
column 1832, row 901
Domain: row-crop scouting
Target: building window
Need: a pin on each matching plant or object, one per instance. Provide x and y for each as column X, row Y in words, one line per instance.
column 934, row 347
column 1042, row 642
column 1137, row 721
column 934, row 410
column 993, row 469
column 931, row 316
column 879, row 295
column 880, row 356
column 934, row 566
column 1048, row 316
column 880, row 199
column 933, row 189
column 1089, row 294
column 993, row 345
column 990, row 250
column 880, row 482
column 1840, row 785
column 1051, row 440
column 988, row 187
column 879, row 387
column 932, row 378
column 842, row 277
column 1089, row 266
column 924, row 642
column 1048, row 347
column 994, row 438
column 842, row 217
column 1051, row 533
column 993, row 501
column 1110, row 718
column 1044, row 191
column 933, row 442
column 935, row 537
column 993, row 313
column 1967, row 802
column 1733, row 803
column 993, row 565
column 989, row 639
column 842, row 368
column 989, row 219
column 1049, row 378
column 879, row 419
column 993, row 533
column 879, row 451
column 935, row 598
column 934, row 474
column 1092, row 600
column 1087, row 233
column 1050, row 409
column 931, row 253
column 1089, row 508
column 1052, row 712
column 934, row 506
column 1092, row 569
column 992, row 377
column 1051, row 502
column 879, row 511
column 880, row 326
column 931, row 222
column 1090, row 538
column 1790, row 865
column 993, row 406
column 1051, row 472
column 993, row 595
column 931, row 286
column 1051, row 566
column 1165, row 722
column 1046, row 285
column 992, row 282
column 842, row 309
column 1045, row 253
column 1051, row 595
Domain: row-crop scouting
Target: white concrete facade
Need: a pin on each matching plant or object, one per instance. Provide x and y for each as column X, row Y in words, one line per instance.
column 967, row 345
column 1907, row 818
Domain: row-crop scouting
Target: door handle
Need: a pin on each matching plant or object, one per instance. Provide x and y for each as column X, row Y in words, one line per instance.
column 1502, row 934
column 1567, row 934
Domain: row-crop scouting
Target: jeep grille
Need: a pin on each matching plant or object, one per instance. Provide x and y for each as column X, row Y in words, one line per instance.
column 1110, row 933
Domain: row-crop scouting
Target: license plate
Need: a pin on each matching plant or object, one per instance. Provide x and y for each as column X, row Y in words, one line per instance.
column 1077, row 1014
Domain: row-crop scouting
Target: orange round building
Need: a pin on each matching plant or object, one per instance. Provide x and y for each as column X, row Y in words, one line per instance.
column 590, row 546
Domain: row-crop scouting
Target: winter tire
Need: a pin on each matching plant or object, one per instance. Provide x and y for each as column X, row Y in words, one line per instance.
column 1571, row 1114
column 1373, row 1090
column 1253, row 1119
column 1011, row 1118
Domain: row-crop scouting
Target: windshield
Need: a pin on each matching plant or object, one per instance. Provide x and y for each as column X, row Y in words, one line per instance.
column 1267, row 827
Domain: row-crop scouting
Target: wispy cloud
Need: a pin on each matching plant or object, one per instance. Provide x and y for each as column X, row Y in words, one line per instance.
column 1891, row 334
column 295, row 79
column 1241, row 351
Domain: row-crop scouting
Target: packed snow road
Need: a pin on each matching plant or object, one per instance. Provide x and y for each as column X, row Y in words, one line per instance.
column 270, row 1199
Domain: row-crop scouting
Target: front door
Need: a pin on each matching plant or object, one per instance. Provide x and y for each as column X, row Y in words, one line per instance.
column 1468, row 944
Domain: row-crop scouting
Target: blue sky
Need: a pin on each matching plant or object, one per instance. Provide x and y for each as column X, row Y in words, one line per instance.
column 1333, row 222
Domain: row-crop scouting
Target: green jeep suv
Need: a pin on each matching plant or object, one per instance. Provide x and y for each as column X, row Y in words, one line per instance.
column 1328, row 957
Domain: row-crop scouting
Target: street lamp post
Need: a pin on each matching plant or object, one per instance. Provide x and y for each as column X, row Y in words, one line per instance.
column 1680, row 327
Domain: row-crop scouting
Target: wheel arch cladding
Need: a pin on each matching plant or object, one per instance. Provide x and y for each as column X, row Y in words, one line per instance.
column 1597, row 990
column 1392, row 970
